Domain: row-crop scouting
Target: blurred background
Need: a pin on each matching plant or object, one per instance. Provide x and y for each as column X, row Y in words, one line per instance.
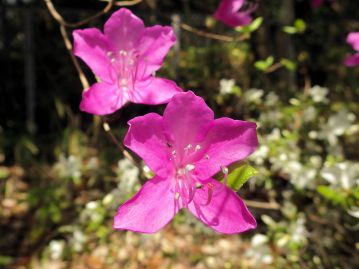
column 62, row 179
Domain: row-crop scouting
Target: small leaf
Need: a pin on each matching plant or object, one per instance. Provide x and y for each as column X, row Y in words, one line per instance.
column 240, row 175
column 290, row 30
column 333, row 195
column 253, row 26
column 290, row 65
column 300, row 25
column 263, row 65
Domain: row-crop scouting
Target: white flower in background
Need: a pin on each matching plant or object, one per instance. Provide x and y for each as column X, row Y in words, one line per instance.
column 309, row 114
column 271, row 116
column 259, row 252
column 299, row 232
column 56, row 249
column 226, row 86
column 343, row 175
column 354, row 212
column 69, row 167
column 127, row 171
column 253, row 96
column 127, row 174
column 78, row 240
column 271, row 99
column 336, row 126
column 319, row 94
column 260, row 154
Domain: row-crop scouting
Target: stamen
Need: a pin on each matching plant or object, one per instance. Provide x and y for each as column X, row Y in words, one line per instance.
column 174, row 152
column 190, row 167
column 109, row 54
column 206, row 156
column 113, row 60
column 210, row 193
column 177, row 195
column 123, row 52
column 123, row 82
column 188, row 147
column 198, row 147
column 225, row 173
column 198, row 185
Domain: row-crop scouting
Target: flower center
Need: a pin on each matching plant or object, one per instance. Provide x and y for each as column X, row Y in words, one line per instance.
column 185, row 182
column 124, row 69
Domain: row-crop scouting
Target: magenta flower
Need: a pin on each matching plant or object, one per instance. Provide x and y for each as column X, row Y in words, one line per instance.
column 233, row 13
column 185, row 148
column 317, row 3
column 353, row 40
column 124, row 58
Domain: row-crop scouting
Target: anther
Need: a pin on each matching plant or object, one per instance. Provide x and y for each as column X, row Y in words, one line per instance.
column 174, row 152
column 123, row 52
column 198, row 185
column 109, row 54
column 189, row 146
column 177, row 195
column 206, row 156
column 123, row 82
column 190, row 167
column 198, row 147
column 113, row 60
column 224, row 170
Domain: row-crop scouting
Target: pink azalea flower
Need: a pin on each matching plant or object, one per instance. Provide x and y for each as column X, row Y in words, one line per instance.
column 353, row 40
column 124, row 58
column 231, row 12
column 185, row 148
column 317, row 3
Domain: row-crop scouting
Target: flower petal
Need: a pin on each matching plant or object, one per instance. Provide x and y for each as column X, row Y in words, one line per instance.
column 230, row 13
column 187, row 119
column 92, row 47
column 153, row 47
column 226, row 212
column 352, row 61
column 149, row 210
column 353, row 40
column 123, row 30
column 102, row 98
column 154, row 91
column 226, row 142
column 146, row 137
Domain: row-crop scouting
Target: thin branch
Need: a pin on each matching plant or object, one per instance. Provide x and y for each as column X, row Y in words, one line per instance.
column 198, row 32
column 83, row 79
column 62, row 21
column 125, row 3
column 119, row 145
column 274, row 67
column 262, row 205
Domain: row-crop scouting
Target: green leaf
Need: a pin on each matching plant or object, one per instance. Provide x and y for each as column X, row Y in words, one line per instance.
column 253, row 26
column 300, row 25
column 240, row 175
column 290, row 30
column 335, row 196
column 290, row 65
column 264, row 64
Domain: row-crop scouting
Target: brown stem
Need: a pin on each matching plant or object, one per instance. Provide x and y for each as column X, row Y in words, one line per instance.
column 57, row 16
column 262, row 205
column 83, row 79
